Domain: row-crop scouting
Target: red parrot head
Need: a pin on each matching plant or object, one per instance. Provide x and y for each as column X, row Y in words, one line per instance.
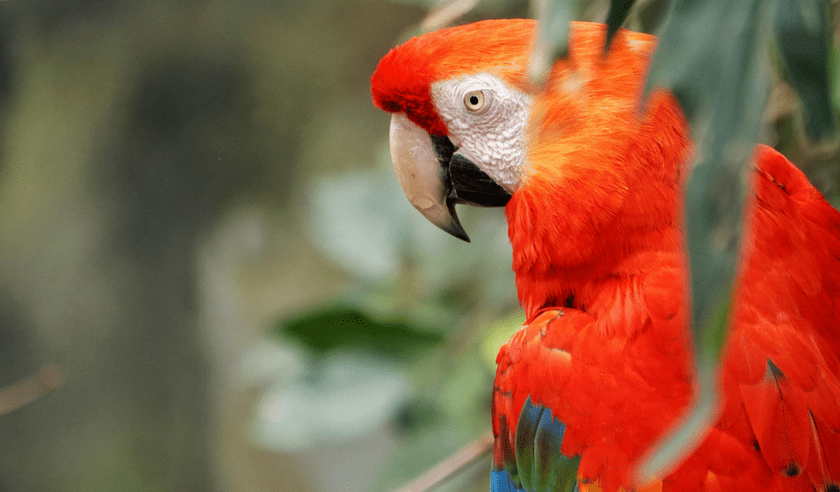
column 585, row 168
column 468, row 127
column 461, row 105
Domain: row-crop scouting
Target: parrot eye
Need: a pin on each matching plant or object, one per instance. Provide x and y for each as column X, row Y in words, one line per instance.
column 474, row 100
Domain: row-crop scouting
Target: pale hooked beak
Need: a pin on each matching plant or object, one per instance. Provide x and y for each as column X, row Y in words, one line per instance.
column 421, row 175
column 434, row 178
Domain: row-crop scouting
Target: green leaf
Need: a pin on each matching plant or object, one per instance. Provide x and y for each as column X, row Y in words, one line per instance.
column 345, row 326
column 619, row 9
column 343, row 396
column 364, row 223
column 357, row 220
column 552, row 39
column 712, row 55
column 803, row 36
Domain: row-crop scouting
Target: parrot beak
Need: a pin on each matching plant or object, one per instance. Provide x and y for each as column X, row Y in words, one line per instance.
column 434, row 177
column 422, row 175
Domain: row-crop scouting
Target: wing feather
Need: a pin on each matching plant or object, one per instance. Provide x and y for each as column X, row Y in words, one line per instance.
column 779, row 428
column 784, row 349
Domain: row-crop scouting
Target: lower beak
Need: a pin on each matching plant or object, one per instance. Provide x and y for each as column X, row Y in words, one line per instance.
column 434, row 177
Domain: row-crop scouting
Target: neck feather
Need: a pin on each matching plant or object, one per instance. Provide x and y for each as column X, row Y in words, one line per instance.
column 595, row 217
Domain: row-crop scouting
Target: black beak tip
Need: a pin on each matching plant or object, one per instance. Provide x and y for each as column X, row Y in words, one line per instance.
column 458, row 231
column 454, row 226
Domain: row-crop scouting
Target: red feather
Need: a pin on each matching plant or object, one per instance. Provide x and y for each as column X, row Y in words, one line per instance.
column 596, row 227
column 599, row 255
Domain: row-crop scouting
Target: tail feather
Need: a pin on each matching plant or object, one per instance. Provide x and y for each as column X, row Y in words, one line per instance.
column 500, row 481
column 535, row 462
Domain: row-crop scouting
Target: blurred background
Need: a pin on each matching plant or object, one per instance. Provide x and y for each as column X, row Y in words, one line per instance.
column 204, row 252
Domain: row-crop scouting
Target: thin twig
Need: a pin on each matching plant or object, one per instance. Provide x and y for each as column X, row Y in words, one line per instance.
column 451, row 466
column 30, row 389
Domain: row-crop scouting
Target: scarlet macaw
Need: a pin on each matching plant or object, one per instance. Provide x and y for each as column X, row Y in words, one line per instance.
column 592, row 180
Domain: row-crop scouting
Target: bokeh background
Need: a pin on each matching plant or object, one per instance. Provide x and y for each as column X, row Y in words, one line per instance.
column 202, row 242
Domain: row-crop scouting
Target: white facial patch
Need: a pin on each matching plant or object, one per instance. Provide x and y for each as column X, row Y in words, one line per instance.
column 492, row 136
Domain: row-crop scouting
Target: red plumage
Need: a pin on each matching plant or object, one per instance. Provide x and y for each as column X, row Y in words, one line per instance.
column 599, row 255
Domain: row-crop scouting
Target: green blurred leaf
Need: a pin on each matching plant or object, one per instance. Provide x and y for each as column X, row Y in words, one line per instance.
column 552, row 40
column 648, row 16
column 619, row 10
column 363, row 221
column 356, row 220
column 345, row 326
column 803, row 36
column 712, row 55
column 345, row 395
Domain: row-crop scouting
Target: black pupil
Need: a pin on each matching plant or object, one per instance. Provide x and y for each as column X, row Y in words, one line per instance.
column 474, row 100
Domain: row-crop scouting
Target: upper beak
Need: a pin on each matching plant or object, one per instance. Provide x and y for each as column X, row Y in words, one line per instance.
column 434, row 177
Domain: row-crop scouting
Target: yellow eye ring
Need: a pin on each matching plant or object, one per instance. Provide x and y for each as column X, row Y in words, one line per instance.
column 474, row 100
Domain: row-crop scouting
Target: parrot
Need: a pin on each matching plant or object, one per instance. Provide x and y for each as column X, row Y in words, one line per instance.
column 591, row 173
